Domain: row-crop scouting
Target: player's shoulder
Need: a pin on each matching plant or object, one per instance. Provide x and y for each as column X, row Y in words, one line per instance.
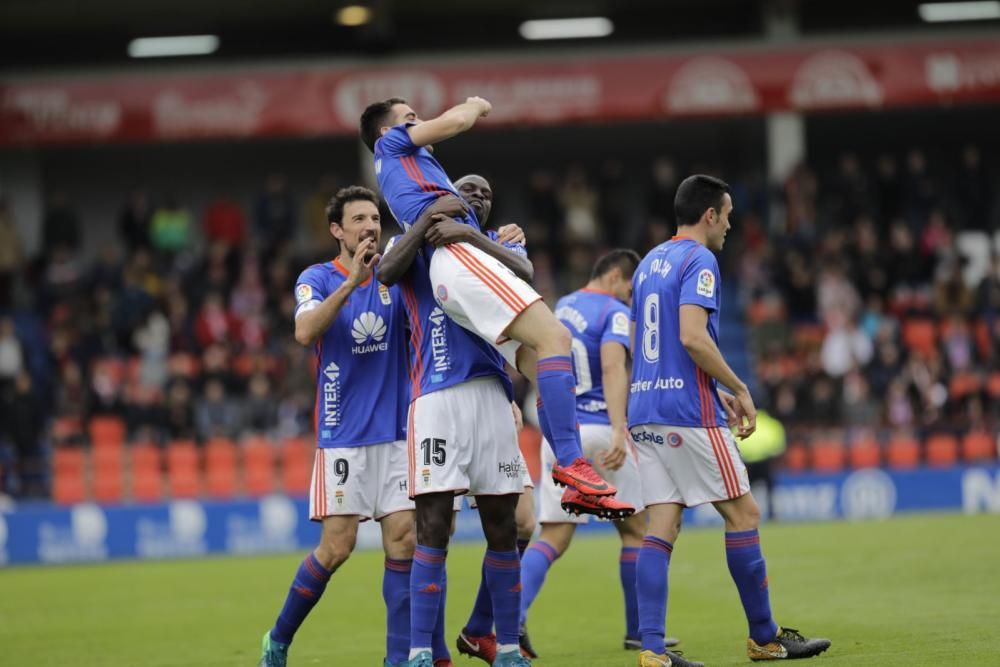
column 702, row 256
column 320, row 272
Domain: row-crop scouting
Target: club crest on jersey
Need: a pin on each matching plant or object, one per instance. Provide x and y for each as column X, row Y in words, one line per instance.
column 674, row 440
column 384, row 295
column 706, row 283
column 303, row 293
column 368, row 331
column 442, row 292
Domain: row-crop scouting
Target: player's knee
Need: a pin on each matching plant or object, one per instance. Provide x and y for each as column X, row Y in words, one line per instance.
column 334, row 551
column 558, row 335
column 525, row 527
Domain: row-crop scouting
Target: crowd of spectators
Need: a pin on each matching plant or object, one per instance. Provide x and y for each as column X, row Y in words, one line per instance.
column 862, row 308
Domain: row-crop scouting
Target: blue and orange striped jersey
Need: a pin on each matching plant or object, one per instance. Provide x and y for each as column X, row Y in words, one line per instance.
column 593, row 318
column 667, row 387
column 361, row 384
column 409, row 177
column 442, row 353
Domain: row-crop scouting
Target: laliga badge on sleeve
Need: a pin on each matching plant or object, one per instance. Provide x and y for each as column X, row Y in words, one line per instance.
column 706, row 283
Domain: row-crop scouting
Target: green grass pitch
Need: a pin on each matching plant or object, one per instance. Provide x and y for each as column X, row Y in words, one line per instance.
column 920, row 590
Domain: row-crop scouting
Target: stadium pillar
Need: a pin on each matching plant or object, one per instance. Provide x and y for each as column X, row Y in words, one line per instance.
column 786, row 135
column 21, row 184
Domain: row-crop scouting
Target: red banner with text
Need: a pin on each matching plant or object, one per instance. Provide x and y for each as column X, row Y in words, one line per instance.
column 316, row 101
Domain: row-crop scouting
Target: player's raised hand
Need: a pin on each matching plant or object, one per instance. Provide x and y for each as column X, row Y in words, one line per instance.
column 446, row 231
column 746, row 414
column 362, row 266
column 484, row 105
column 511, row 234
column 449, row 205
column 614, row 458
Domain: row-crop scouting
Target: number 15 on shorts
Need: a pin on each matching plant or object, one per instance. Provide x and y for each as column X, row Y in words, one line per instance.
column 433, row 451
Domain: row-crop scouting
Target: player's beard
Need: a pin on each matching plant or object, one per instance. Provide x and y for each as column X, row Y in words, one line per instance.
column 371, row 253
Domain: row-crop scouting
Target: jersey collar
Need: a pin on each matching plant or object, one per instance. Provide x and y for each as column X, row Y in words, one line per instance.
column 681, row 237
column 339, row 266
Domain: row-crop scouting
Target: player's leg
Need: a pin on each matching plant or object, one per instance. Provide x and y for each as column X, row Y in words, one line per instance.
column 552, row 543
column 525, row 518
column 502, row 570
column 631, row 531
column 427, row 578
column 398, row 542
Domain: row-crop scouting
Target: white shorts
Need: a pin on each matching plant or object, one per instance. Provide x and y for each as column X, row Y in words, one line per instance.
column 368, row 481
column 689, row 465
column 529, row 486
column 595, row 438
column 462, row 439
column 480, row 294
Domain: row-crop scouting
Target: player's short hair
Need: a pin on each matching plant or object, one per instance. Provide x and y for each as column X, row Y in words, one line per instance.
column 344, row 196
column 373, row 118
column 623, row 258
column 695, row 195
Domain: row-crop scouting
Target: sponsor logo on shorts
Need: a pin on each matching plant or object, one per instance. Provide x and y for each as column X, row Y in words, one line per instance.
column 442, row 292
column 647, row 436
column 675, row 440
column 511, row 469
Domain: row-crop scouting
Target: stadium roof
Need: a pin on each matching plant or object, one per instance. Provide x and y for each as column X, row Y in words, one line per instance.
column 69, row 34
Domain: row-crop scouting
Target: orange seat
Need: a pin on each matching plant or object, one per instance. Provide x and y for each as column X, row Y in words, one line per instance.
column 147, row 473
column 258, row 467
column 978, row 446
column 828, row 456
column 864, row 453
column 106, row 430
column 69, row 476
column 183, row 470
column 796, row 457
column 66, row 429
column 921, row 336
column 107, row 471
column 903, row 452
column 220, row 468
column 297, row 456
column 942, row 450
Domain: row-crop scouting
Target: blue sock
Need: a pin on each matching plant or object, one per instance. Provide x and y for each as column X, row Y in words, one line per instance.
column 557, row 389
column 307, row 587
column 426, row 586
column 543, row 421
column 521, row 546
column 626, row 570
column 535, row 565
column 651, row 592
column 747, row 567
column 503, row 577
column 396, row 593
column 481, row 621
column 439, row 647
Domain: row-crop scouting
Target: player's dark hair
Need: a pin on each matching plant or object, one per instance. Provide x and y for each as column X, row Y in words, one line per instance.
column 344, row 196
column 623, row 258
column 695, row 195
column 374, row 118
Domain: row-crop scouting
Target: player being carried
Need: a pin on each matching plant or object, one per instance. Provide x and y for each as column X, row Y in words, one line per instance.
column 597, row 316
column 681, row 423
column 360, row 471
column 479, row 292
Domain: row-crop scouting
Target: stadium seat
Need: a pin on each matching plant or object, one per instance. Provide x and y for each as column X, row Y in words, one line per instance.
column 297, row 456
column 258, row 467
column 903, row 453
column 106, row 430
column 69, row 475
column 107, row 470
column 67, row 430
column 146, row 473
column 183, row 471
column 978, row 446
column 828, row 455
column 220, row 468
column 864, row 453
column 941, row 450
column 920, row 335
column 796, row 457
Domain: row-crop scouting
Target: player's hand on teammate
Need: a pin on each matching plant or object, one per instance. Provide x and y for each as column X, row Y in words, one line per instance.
column 484, row 104
column 741, row 414
column 361, row 268
column 445, row 231
column 614, row 458
column 449, row 206
column 511, row 234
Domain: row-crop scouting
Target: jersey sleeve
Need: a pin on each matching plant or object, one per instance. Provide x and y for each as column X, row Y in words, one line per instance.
column 310, row 290
column 397, row 142
column 517, row 248
column 616, row 327
column 700, row 281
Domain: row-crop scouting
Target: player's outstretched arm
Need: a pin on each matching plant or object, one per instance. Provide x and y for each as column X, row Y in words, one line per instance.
column 396, row 263
column 311, row 324
column 454, row 121
column 706, row 354
column 449, row 231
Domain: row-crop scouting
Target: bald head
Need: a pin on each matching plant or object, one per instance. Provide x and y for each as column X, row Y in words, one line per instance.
column 476, row 190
